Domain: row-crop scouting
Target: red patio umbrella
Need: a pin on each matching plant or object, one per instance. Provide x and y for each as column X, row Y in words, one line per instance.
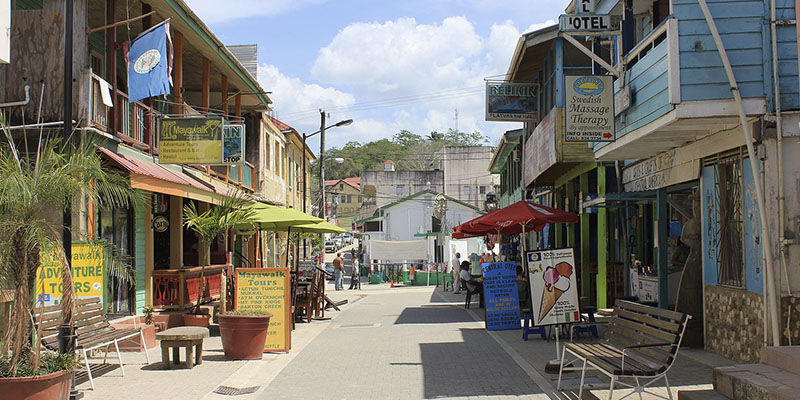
column 520, row 217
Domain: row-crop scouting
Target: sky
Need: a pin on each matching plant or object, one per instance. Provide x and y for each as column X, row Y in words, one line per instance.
column 388, row 65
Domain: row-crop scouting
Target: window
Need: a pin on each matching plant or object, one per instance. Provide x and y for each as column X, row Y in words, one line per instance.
column 360, row 199
column 483, row 190
column 729, row 187
column 399, row 191
column 341, row 186
column 342, row 198
column 349, row 198
column 267, row 154
column 466, row 190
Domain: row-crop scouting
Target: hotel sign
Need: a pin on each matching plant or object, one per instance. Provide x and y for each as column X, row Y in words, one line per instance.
column 513, row 102
column 589, row 113
column 584, row 23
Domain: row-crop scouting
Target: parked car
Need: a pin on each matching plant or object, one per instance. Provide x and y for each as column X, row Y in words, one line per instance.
column 339, row 243
column 346, row 238
column 329, row 270
column 330, row 246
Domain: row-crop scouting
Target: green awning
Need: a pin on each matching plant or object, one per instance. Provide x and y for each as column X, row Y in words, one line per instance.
column 274, row 218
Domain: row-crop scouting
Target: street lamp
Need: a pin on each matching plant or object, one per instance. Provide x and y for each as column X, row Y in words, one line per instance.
column 321, row 156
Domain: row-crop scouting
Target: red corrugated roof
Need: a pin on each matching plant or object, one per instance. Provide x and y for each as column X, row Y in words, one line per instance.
column 355, row 182
column 282, row 126
column 151, row 169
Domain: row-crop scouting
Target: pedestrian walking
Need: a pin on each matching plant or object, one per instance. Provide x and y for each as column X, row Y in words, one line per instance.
column 455, row 270
column 338, row 271
column 355, row 283
column 411, row 274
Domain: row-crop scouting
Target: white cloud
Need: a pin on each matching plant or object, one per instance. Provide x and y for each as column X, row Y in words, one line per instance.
column 537, row 26
column 296, row 99
column 211, row 11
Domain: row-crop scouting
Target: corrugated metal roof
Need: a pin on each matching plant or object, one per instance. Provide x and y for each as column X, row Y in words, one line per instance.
column 151, row 169
column 247, row 54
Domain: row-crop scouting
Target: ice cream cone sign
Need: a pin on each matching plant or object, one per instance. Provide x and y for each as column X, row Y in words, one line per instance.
column 552, row 278
column 555, row 286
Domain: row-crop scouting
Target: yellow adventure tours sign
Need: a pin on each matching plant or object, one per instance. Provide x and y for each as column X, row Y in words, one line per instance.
column 190, row 141
column 87, row 273
column 267, row 290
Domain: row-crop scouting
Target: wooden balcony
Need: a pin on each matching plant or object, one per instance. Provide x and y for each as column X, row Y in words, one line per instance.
column 177, row 289
column 135, row 123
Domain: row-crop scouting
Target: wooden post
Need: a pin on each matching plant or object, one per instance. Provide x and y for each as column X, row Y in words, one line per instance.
column 175, row 232
column 571, row 207
column 111, row 62
column 238, row 103
column 224, row 88
column 206, row 84
column 585, row 221
column 662, row 223
column 223, row 293
column 177, row 72
column 602, row 241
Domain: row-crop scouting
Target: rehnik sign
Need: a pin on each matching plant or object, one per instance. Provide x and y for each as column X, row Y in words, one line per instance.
column 589, row 113
column 502, row 296
column 511, row 101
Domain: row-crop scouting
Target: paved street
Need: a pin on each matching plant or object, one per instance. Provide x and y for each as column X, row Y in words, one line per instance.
column 403, row 343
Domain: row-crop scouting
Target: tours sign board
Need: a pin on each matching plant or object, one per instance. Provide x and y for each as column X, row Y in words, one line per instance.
column 266, row 290
column 554, row 286
column 589, row 112
column 190, row 141
column 502, row 297
column 87, row 273
column 511, row 101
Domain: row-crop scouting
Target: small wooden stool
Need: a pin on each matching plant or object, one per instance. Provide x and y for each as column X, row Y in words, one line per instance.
column 182, row 336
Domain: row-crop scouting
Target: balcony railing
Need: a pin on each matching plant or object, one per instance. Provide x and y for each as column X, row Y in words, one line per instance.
column 177, row 288
column 134, row 123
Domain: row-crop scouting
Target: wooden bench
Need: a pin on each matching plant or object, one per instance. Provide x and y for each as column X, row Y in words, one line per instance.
column 92, row 330
column 641, row 344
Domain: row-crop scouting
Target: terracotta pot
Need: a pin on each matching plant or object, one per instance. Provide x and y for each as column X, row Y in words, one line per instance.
column 53, row 386
column 196, row 320
column 243, row 336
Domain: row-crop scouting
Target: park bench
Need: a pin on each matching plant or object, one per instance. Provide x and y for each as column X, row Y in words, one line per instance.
column 641, row 345
column 92, row 330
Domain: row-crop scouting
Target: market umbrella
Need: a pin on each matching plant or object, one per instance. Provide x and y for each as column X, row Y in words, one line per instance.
column 274, row 218
column 318, row 227
column 524, row 213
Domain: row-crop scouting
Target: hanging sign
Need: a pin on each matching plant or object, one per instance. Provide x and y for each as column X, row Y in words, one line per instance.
column 554, row 286
column 233, row 144
column 501, row 295
column 190, row 141
column 87, row 273
column 589, row 112
column 584, row 23
column 510, row 101
column 266, row 290
column 160, row 223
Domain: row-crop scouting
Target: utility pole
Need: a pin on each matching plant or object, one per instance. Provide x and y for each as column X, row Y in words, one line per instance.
column 323, row 211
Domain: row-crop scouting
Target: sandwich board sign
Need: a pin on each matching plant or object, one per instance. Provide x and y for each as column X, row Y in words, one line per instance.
column 266, row 290
column 554, row 287
column 501, row 295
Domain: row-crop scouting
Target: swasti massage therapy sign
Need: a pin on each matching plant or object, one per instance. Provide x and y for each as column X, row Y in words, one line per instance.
column 554, row 287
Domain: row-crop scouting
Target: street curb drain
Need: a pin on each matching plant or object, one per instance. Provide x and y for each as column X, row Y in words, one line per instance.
column 359, row 326
column 232, row 391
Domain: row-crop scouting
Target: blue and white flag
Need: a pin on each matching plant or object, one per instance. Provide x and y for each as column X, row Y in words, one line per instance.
column 149, row 63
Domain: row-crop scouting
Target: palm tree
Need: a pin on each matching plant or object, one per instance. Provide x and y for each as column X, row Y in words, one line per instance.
column 35, row 188
column 231, row 212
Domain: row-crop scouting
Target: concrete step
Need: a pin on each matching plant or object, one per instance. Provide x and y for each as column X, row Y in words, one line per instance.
column 700, row 395
column 756, row 382
column 786, row 358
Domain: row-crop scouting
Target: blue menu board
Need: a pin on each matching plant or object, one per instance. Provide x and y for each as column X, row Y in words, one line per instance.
column 501, row 295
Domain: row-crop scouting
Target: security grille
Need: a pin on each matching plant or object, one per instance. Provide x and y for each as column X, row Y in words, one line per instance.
column 730, row 238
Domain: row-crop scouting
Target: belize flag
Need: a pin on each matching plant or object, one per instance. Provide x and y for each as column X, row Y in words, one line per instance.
column 149, row 63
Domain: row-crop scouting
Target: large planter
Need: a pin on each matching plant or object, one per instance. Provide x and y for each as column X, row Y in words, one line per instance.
column 196, row 320
column 243, row 336
column 53, row 386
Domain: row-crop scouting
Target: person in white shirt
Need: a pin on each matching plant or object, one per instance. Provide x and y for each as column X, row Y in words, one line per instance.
column 473, row 285
column 455, row 269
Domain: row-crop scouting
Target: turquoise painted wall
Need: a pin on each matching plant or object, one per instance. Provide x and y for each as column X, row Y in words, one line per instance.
column 140, row 224
column 787, row 56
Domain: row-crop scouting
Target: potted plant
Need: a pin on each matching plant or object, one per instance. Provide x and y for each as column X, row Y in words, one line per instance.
column 243, row 334
column 33, row 184
column 218, row 219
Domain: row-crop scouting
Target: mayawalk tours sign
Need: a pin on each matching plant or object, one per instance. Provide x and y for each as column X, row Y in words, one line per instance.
column 589, row 111
column 511, row 101
column 190, row 141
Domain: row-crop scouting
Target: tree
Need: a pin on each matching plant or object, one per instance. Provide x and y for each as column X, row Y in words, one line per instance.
column 231, row 211
column 458, row 138
column 34, row 185
column 406, row 139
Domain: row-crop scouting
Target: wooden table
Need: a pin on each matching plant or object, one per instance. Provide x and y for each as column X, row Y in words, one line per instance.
column 182, row 336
